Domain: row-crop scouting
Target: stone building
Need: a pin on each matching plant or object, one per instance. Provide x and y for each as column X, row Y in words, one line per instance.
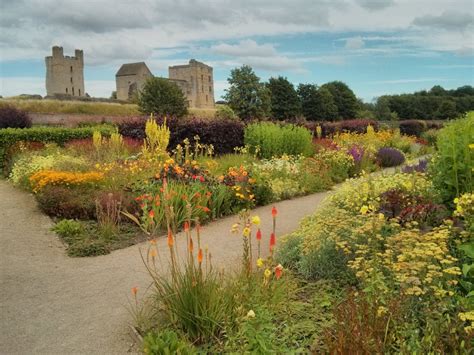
column 130, row 79
column 199, row 87
column 65, row 74
column 194, row 79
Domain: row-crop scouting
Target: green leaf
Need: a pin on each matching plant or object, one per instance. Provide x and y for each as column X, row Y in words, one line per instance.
column 468, row 249
column 466, row 268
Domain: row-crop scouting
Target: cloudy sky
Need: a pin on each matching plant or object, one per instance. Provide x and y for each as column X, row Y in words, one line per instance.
column 375, row 46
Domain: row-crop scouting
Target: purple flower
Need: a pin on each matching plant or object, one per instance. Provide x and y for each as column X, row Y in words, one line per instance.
column 357, row 153
column 419, row 168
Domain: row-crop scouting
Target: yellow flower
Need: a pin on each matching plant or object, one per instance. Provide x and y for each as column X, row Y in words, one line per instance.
column 235, row 228
column 260, row 262
column 251, row 314
column 364, row 209
column 456, row 200
column 267, row 273
column 381, row 216
column 246, row 232
column 471, row 146
column 256, row 220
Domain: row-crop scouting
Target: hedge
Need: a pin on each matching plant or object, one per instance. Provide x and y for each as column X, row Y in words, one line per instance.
column 223, row 134
column 58, row 135
column 330, row 128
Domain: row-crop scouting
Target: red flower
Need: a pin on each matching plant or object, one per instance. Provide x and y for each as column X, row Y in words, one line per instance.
column 151, row 214
column 272, row 241
column 201, row 179
column 200, row 256
column 259, row 234
column 278, row 271
column 134, row 290
column 274, row 212
column 186, row 226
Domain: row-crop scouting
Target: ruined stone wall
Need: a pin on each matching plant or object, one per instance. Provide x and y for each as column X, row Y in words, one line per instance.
column 65, row 74
column 200, row 89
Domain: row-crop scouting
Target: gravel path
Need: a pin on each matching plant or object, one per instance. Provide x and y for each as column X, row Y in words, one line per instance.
column 53, row 304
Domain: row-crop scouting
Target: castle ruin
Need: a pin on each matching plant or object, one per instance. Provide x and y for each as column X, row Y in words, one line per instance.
column 65, row 74
column 194, row 79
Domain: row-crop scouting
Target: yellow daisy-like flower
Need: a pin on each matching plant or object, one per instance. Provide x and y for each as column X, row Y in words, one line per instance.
column 256, row 220
column 246, row 232
column 364, row 209
column 471, row 146
column 267, row 273
column 260, row 262
column 381, row 216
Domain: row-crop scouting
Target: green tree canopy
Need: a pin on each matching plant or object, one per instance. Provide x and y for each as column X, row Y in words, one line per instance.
column 285, row 103
column 317, row 104
column 247, row 96
column 162, row 97
column 344, row 98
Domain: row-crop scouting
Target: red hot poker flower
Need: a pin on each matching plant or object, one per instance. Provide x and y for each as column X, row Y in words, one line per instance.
column 272, row 241
column 186, row 226
column 278, row 271
column 151, row 214
column 200, row 256
column 274, row 212
column 170, row 239
column 259, row 234
column 191, row 245
column 134, row 290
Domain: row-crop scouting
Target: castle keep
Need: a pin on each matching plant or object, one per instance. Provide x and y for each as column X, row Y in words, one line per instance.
column 194, row 79
column 64, row 74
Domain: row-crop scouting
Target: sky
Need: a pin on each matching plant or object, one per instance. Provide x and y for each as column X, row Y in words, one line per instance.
column 375, row 46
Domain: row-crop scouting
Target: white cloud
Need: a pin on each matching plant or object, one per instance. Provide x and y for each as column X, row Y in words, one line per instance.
column 451, row 20
column 355, row 43
column 245, row 48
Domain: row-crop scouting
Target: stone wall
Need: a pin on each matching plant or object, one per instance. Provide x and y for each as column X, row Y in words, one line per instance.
column 65, row 74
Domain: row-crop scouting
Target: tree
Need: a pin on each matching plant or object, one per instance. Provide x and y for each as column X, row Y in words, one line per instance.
column 162, row 97
column 344, row 98
column 382, row 109
column 285, row 103
column 317, row 104
column 447, row 110
column 113, row 95
column 247, row 96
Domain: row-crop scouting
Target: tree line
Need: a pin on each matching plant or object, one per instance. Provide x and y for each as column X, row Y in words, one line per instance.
column 250, row 98
column 279, row 99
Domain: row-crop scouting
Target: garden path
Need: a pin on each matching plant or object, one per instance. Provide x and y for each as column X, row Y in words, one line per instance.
column 53, row 304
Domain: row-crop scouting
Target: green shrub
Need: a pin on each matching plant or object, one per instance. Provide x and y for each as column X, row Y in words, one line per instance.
column 69, row 229
column 451, row 168
column 162, row 97
column 225, row 112
column 58, row 135
column 166, row 342
column 430, row 136
column 271, row 139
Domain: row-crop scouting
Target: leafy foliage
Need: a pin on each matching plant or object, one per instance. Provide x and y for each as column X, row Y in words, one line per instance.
column 285, row 103
column 452, row 166
column 247, row 96
column 11, row 117
column 272, row 139
column 317, row 104
column 162, row 97
column 387, row 157
column 344, row 98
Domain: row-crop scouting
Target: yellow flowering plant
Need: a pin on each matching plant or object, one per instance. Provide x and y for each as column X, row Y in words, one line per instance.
column 52, row 177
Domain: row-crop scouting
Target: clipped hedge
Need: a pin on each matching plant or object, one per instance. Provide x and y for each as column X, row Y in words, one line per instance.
column 330, row 128
column 58, row 135
column 223, row 134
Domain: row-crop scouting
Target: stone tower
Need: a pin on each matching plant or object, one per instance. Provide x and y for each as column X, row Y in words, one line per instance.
column 64, row 74
column 199, row 87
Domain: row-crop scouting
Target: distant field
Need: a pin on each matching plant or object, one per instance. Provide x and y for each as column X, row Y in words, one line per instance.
column 88, row 108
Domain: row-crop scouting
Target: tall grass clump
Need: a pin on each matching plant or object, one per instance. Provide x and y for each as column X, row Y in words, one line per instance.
column 452, row 165
column 274, row 140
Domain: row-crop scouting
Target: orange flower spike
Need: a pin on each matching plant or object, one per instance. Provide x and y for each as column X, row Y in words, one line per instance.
column 272, row 241
column 274, row 212
column 151, row 214
column 153, row 253
column 278, row 271
column 191, row 245
column 170, row 239
column 153, row 242
column 186, row 226
column 259, row 234
column 200, row 256
column 134, row 290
